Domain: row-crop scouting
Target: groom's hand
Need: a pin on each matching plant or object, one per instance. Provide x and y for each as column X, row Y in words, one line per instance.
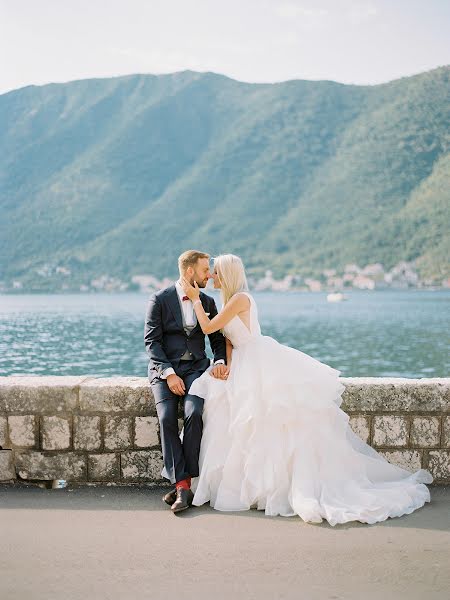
column 219, row 371
column 176, row 384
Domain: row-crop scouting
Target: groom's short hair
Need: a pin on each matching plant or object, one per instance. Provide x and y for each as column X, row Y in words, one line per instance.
column 189, row 259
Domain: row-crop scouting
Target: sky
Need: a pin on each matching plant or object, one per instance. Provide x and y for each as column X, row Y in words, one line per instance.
column 350, row 41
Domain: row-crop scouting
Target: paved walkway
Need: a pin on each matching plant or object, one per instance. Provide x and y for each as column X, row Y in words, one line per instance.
column 123, row 543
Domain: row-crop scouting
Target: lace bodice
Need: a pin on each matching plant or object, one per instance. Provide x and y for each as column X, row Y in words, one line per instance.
column 236, row 330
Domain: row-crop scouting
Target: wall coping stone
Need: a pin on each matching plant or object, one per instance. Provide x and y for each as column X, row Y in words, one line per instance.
column 24, row 394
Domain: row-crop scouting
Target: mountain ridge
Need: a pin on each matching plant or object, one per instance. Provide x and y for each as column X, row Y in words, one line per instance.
column 223, row 75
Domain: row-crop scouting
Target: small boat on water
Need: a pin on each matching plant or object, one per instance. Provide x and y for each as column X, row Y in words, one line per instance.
column 336, row 297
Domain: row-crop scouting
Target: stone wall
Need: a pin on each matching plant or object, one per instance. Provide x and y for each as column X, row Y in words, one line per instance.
column 89, row 429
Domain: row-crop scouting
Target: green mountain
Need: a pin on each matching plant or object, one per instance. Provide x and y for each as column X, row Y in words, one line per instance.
column 120, row 175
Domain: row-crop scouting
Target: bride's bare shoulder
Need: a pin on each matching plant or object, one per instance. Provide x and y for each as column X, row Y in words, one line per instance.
column 243, row 299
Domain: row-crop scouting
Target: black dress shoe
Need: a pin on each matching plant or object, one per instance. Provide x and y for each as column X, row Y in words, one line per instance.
column 183, row 501
column 170, row 497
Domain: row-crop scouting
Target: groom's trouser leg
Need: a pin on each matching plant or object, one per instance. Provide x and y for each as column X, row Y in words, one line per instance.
column 193, row 426
column 172, row 449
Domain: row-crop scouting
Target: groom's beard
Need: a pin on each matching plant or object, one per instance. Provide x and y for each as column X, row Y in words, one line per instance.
column 200, row 282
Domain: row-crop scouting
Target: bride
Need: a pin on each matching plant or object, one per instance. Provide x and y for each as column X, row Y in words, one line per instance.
column 275, row 437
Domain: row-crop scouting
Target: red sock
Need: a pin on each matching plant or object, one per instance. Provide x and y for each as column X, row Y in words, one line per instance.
column 184, row 483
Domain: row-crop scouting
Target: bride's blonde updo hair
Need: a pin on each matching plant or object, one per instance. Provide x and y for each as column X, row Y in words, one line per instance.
column 231, row 273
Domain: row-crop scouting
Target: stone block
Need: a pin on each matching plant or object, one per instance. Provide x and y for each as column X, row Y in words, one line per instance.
column 117, row 394
column 23, row 431
column 55, row 433
column 38, row 465
column 139, row 465
column 425, row 432
column 360, row 424
column 390, row 394
column 438, row 463
column 117, row 433
column 146, row 432
column 6, row 465
column 103, row 467
column 390, row 430
column 40, row 394
column 446, row 432
column 87, row 433
column 411, row 460
column 3, row 432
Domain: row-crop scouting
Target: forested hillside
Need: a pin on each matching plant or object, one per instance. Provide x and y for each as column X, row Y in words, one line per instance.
column 118, row 176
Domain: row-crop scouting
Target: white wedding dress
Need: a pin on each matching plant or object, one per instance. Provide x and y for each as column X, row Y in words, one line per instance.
column 275, row 438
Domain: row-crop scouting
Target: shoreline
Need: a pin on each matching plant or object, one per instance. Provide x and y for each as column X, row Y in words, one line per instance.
column 209, row 290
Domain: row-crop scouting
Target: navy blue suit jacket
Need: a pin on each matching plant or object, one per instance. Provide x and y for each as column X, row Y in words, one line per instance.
column 165, row 338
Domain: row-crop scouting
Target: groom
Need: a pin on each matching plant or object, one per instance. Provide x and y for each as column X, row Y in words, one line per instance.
column 175, row 344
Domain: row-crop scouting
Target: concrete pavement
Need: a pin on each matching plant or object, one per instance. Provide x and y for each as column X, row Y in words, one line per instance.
column 105, row 542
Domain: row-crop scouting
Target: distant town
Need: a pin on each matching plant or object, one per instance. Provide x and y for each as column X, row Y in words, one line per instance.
column 57, row 279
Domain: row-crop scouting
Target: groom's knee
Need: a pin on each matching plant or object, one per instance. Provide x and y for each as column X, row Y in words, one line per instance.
column 168, row 423
column 167, row 416
column 193, row 408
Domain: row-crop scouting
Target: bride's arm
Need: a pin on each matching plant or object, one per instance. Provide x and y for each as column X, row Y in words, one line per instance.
column 229, row 349
column 233, row 307
column 237, row 304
